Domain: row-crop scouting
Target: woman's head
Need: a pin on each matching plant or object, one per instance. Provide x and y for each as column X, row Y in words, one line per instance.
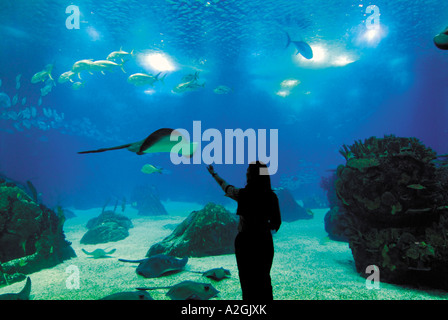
column 255, row 179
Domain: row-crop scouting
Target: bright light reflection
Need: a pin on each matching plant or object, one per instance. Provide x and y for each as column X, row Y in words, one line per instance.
column 283, row 93
column 289, row 83
column 157, row 61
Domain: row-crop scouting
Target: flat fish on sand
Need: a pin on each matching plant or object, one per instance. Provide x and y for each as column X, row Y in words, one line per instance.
column 22, row 295
column 158, row 265
column 188, row 290
column 129, row 295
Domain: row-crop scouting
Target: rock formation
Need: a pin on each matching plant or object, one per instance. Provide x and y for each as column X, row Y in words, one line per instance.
column 31, row 235
column 107, row 227
column 208, row 232
column 394, row 192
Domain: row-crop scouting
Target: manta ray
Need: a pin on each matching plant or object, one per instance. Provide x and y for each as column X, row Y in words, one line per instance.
column 162, row 140
column 302, row 47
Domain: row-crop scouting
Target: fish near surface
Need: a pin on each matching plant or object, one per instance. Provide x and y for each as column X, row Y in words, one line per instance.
column 302, row 47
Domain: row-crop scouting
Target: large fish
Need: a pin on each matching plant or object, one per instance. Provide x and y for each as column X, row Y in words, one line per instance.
column 302, row 47
column 158, row 141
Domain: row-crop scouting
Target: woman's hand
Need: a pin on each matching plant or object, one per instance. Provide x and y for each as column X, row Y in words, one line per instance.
column 211, row 170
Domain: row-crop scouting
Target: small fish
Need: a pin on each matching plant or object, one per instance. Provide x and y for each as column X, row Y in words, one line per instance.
column 416, row 186
column 43, row 75
column 45, row 90
column 23, row 101
column 222, row 90
column 39, row 102
column 66, row 76
column 149, row 168
column 142, row 79
column 119, row 55
column 15, row 99
column 77, row 85
column 17, row 85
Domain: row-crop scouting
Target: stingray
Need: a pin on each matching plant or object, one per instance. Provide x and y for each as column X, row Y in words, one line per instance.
column 22, row 295
column 302, row 47
column 158, row 141
column 158, row 265
column 99, row 253
column 129, row 295
column 188, row 290
column 216, row 274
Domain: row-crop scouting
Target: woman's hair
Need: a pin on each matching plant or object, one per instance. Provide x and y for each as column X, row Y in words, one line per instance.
column 257, row 180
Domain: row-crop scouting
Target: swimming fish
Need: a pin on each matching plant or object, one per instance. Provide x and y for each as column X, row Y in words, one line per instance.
column 190, row 77
column 82, row 65
column 43, row 75
column 15, row 99
column 99, row 253
column 149, row 168
column 302, row 47
column 441, row 40
column 119, row 55
column 77, row 85
column 188, row 86
column 222, row 90
column 158, row 141
column 142, row 79
column 66, row 76
column 105, row 65
column 416, row 186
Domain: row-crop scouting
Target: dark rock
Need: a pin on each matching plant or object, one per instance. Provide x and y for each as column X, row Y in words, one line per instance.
column 335, row 220
column 208, row 232
column 107, row 227
column 31, row 235
column 396, row 204
column 110, row 216
column 336, row 224
column 289, row 208
column 147, row 201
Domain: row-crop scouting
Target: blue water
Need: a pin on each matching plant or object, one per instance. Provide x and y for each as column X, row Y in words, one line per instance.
column 393, row 84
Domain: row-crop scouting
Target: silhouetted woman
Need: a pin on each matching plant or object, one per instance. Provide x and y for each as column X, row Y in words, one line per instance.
column 259, row 214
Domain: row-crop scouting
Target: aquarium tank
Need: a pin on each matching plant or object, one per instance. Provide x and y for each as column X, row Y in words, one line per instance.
column 127, row 129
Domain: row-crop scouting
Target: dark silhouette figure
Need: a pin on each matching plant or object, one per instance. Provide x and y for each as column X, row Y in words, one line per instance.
column 259, row 213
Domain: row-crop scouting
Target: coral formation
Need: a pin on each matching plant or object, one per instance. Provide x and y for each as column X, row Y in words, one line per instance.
column 31, row 235
column 208, row 232
column 107, row 227
column 395, row 200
